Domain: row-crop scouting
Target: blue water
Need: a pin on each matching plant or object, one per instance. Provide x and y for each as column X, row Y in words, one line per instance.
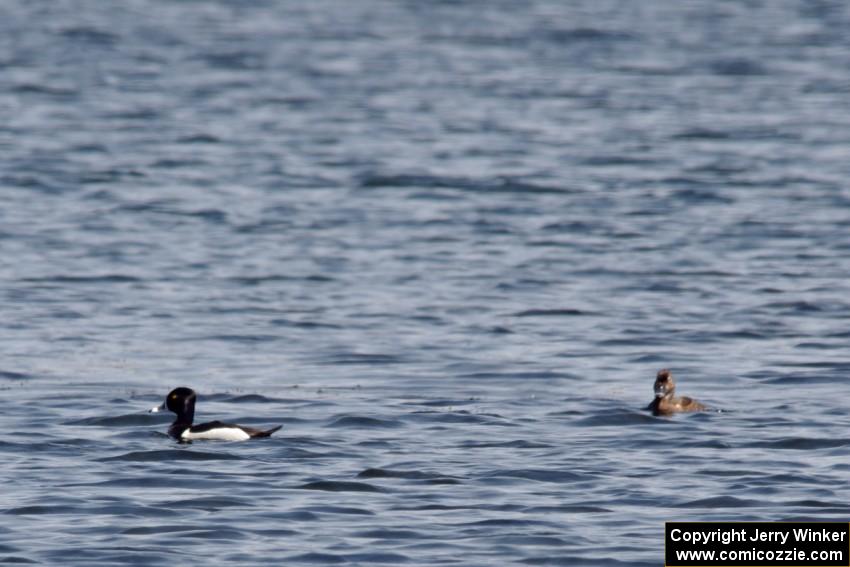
column 447, row 245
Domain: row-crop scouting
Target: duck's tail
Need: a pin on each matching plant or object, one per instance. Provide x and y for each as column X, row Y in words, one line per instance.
column 267, row 433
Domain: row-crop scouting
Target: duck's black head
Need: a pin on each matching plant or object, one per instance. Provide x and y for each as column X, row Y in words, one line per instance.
column 664, row 384
column 182, row 402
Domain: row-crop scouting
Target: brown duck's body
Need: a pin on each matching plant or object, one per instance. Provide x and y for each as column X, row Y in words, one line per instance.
column 665, row 402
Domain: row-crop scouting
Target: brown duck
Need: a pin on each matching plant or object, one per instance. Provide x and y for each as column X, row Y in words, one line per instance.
column 665, row 403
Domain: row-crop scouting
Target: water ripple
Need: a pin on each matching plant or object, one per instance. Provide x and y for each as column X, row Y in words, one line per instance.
column 170, row 455
column 340, row 486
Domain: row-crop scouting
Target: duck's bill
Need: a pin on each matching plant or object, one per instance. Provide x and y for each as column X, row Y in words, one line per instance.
column 157, row 409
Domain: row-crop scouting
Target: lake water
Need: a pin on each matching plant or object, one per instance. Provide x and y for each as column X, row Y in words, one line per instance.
column 447, row 245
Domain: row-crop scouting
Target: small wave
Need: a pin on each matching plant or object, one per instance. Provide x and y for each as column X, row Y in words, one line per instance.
column 497, row 185
column 702, row 134
column 647, row 358
column 842, row 367
column 433, row 478
column 50, row 90
column 569, row 509
column 315, row 557
column 540, row 475
column 235, row 60
column 791, row 307
column 208, row 503
column 552, row 313
column 236, row 338
column 18, row 560
column 353, row 358
column 817, row 378
column 833, row 507
column 303, row 324
column 617, row 160
column 170, row 455
column 773, row 480
column 42, row 510
column 139, row 113
column 391, row 534
column 799, row 443
column 252, row 399
column 736, row 67
column 142, row 482
column 705, row 444
column 8, row 548
column 516, row 444
column 168, row 208
column 446, row 403
column 274, row 278
column 541, row 375
column 86, row 34
column 720, row 502
column 461, row 416
column 160, row 529
column 39, row 183
column 507, row 522
column 357, row 421
column 735, row 473
column 199, row 139
column 65, row 279
column 535, row 540
column 341, row 510
column 582, row 560
column 374, row 557
column 293, row 453
column 621, row 418
column 10, row 375
column 699, row 196
column 116, row 420
column 818, row 346
column 573, row 35
column 340, row 486
column 215, row 533
column 172, row 163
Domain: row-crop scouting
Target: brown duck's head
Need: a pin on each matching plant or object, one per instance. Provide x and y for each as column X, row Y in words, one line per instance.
column 664, row 384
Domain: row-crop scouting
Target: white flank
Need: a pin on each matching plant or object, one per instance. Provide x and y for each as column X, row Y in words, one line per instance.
column 218, row 434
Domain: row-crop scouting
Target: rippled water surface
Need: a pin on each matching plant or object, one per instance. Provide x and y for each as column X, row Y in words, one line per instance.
column 446, row 245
